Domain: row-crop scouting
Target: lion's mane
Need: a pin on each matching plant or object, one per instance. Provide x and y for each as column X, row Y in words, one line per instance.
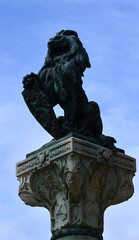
column 65, row 63
column 61, row 76
column 66, row 47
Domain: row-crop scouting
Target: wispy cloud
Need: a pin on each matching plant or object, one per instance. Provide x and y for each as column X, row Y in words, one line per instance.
column 7, row 61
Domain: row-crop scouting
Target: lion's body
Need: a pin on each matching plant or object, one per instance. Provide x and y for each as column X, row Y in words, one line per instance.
column 61, row 76
column 60, row 81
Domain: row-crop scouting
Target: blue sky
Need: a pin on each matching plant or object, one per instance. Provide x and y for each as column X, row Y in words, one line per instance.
column 109, row 30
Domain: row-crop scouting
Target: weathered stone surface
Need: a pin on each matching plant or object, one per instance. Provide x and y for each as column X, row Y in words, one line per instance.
column 76, row 181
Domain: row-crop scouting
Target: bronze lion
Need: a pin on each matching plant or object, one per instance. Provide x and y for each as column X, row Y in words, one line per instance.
column 60, row 82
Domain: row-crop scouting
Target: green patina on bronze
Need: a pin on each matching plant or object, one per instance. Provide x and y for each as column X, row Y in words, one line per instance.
column 60, row 82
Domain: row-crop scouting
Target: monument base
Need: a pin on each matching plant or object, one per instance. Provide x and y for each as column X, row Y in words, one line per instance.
column 76, row 181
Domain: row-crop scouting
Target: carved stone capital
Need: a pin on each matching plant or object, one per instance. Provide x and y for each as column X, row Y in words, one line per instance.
column 76, row 181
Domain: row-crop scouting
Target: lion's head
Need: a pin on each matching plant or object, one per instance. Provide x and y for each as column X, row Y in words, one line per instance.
column 65, row 47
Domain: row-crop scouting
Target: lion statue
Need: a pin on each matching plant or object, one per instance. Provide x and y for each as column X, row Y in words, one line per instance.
column 59, row 81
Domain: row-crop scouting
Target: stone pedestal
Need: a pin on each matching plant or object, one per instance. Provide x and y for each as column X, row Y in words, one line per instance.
column 76, row 181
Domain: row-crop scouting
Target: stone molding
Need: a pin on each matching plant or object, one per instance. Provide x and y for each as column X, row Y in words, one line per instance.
column 76, row 181
column 74, row 145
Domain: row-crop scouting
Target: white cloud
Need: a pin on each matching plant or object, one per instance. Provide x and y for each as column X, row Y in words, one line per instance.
column 7, row 61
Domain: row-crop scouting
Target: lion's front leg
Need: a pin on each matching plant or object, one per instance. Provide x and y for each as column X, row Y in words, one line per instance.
column 69, row 114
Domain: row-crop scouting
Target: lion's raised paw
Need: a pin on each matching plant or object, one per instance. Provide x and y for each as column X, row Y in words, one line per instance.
column 29, row 80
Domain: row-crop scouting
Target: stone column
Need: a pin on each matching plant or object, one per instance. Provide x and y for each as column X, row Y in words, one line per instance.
column 76, row 181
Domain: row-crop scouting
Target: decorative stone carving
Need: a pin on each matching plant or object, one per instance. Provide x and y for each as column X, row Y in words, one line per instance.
column 76, row 181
